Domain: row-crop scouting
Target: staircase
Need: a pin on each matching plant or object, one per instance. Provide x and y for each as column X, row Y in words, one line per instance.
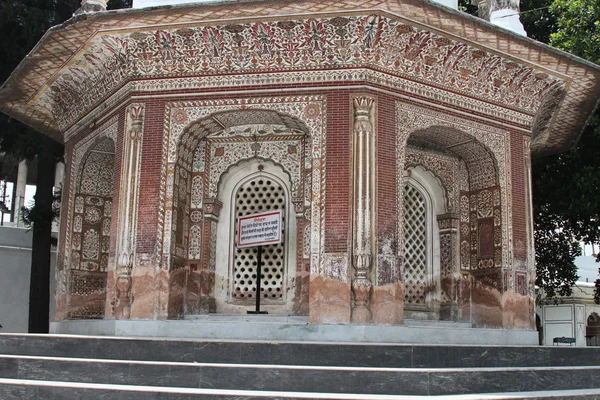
column 77, row 367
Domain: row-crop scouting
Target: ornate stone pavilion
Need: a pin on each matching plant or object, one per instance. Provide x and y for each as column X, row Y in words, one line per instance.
column 394, row 135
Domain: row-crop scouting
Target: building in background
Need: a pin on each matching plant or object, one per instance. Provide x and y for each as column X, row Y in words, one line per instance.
column 575, row 316
column 395, row 137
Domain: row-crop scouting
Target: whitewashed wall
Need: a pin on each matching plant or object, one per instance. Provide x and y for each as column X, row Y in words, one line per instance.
column 15, row 264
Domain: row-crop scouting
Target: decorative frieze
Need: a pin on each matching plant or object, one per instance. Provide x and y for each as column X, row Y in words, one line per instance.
column 313, row 44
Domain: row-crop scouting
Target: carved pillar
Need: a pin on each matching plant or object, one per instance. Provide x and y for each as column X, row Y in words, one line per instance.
column 206, row 275
column 128, row 204
column 19, row 201
column 302, row 259
column 363, row 139
column 448, row 225
column 59, row 176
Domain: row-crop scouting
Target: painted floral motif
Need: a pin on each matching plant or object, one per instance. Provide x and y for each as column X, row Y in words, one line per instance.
column 91, row 245
column 196, row 216
column 361, row 41
column 92, row 215
column 195, row 243
column 79, row 204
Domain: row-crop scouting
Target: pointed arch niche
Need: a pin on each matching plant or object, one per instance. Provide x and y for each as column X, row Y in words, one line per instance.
column 90, row 231
column 457, row 172
column 216, row 158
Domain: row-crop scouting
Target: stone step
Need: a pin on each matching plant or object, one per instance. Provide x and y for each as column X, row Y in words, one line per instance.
column 298, row 353
column 288, row 328
column 296, row 378
column 18, row 389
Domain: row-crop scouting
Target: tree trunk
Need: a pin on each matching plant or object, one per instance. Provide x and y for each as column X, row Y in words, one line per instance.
column 39, row 287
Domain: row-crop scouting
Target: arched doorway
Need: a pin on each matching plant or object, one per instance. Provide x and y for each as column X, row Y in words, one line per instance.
column 452, row 222
column 251, row 187
column 91, row 227
column 223, row 152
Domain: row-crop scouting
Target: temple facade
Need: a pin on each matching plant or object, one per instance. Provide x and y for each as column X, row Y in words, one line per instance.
column 395, row 138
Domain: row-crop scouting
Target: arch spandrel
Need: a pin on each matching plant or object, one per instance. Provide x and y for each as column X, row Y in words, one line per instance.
column 445, row 168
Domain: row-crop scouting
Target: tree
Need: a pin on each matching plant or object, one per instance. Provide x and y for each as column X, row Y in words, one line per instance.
column 566, row 187
column 22, row 24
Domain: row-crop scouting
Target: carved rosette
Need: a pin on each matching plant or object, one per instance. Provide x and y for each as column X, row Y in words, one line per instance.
column 363, row 137
column 128, row 203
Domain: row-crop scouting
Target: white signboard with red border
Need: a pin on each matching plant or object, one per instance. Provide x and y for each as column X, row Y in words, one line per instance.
column 259, row 229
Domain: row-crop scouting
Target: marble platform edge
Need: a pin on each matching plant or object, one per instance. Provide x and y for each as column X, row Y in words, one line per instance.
column 238, row 394
column 286, row 332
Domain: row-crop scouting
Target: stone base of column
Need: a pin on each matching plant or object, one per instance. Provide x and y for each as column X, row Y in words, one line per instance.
column 199, row 297
column 175, row 308
column 330, row 301
column 387, row 304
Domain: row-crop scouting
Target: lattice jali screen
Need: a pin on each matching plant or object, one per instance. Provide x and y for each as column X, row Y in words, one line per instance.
column 259, row 195
column 415, row 246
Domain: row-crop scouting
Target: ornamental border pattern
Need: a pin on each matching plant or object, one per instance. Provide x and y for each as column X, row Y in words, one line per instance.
column 377, row 40
column 236, row 82
column 109, row 129
column 410, row 118
column 529, row 217
column 310, row 110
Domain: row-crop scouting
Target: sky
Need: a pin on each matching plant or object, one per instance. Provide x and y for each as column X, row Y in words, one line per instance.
column 587, row 265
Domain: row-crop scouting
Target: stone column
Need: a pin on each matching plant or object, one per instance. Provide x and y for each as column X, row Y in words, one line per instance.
column 19, row 201
column 448, row 225
column 59, row 175
column 205, row 276
column 128, row 204
column 363, row 139
column 301, row 300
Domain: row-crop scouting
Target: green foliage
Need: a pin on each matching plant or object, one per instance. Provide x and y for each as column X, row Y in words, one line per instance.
column 468, row 6
column 566, row 187
column 537, row 18
column 555, row 254
column 578, row 28
column 31, row 213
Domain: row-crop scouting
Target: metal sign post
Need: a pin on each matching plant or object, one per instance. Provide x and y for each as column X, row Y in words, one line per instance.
column 259, row 230
column 258, row 279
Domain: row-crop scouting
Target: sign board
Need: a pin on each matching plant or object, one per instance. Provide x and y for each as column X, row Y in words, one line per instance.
column 259, row 229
